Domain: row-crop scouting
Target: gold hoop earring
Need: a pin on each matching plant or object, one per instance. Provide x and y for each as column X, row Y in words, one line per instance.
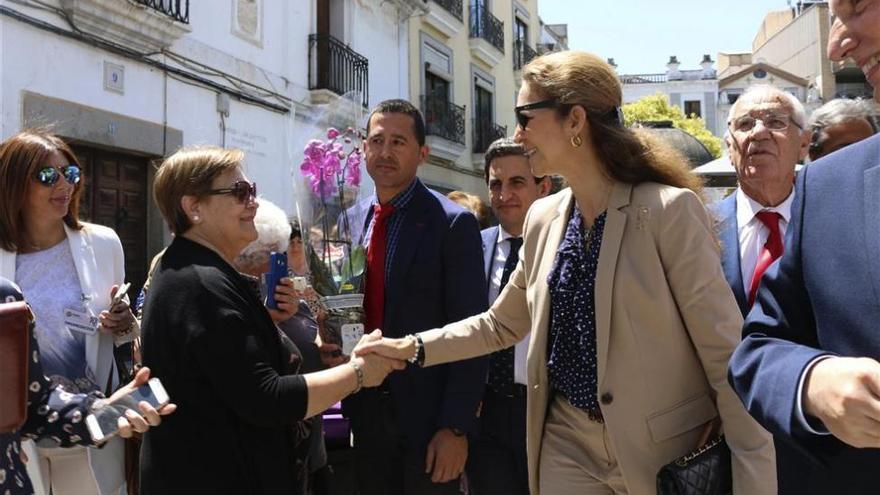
column 576, row 141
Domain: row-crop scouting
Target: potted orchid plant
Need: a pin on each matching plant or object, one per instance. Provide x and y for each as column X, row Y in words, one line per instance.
column 332, row 168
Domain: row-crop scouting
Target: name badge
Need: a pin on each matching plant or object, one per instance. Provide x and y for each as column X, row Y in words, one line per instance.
column 351, row 335
column 80, row 321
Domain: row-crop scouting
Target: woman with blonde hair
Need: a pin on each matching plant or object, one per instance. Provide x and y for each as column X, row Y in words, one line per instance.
column 620, row 289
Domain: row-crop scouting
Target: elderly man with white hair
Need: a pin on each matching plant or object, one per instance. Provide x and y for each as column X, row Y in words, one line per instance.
column 841, row 122
column 765, row 139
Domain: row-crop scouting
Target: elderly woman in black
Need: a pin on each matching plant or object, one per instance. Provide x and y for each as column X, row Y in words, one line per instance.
column 210, row 339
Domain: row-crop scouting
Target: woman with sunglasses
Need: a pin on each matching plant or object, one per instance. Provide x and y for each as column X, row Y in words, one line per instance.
column 210, row 339
column 69, row 271
column 619, row 286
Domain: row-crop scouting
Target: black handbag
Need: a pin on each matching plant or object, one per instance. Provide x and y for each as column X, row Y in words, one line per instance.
column 705, row 471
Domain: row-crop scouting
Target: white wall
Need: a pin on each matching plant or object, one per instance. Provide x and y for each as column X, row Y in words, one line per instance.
column 73, row 71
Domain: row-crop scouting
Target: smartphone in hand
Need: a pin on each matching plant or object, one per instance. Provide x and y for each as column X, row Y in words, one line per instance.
column 277, row 271
column 120, row 294
column 103, row 422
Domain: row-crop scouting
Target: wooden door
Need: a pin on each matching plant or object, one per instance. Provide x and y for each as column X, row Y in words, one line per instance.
column 115, row 195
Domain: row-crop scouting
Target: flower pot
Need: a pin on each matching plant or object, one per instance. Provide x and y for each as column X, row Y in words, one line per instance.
column 344, row 325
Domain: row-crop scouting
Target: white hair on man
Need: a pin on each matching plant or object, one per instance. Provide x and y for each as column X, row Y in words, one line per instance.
column 842, row 110
column 765, row 93
column 273, row 234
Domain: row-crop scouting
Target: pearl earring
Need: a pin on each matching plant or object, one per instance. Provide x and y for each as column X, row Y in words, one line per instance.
column 195, row 218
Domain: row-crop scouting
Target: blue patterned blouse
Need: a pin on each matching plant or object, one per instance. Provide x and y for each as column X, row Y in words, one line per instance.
column 52, row 413
column 571, row 346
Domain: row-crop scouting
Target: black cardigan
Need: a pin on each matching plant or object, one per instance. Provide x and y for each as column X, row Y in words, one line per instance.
column 219, row 355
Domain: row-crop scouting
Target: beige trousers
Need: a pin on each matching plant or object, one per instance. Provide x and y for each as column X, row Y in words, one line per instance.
column 67, row 470
column 576, row 454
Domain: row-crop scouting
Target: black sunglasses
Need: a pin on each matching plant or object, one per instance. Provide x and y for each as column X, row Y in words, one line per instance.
column 523, row 120
column 48, row 176
column 241, row 190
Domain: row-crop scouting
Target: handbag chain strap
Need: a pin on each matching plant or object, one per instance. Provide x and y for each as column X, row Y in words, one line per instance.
column 683, row 461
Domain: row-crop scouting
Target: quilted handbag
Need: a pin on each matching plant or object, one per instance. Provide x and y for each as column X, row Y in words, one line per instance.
column 705, row 471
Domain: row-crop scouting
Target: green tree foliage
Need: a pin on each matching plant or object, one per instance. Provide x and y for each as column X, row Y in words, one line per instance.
column 657, row 107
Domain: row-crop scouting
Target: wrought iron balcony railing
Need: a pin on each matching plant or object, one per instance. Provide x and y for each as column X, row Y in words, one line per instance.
column 454, row 7
column 485, row 133
column 175, row 9
column 522, row 54
column 334, row 66
column 443, row 118
column 486, row 26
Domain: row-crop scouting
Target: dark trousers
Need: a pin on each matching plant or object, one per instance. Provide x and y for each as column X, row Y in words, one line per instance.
column 385, row 463
column 497, row 461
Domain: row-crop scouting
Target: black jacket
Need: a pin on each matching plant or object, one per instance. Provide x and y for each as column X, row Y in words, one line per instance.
column 212, row 343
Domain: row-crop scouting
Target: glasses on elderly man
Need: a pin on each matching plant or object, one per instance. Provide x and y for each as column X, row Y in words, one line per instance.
column 773, row 122
column 241, row 190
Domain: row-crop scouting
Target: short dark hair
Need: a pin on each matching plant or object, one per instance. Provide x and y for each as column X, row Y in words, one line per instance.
column 406, row 108
column 295, row 231
column 500, row 148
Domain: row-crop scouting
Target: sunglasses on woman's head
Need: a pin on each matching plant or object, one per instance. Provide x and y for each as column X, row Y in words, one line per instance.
column 241, row 190
column 523, row 120
column 48, row 176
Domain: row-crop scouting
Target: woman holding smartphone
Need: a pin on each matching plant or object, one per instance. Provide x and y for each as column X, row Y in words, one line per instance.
column 69, row 272
column 208, row 336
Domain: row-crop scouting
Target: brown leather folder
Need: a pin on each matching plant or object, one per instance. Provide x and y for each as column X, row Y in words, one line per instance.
column 15, row 317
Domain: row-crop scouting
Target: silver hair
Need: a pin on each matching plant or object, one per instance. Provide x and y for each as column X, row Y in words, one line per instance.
column 842, row 110
column 273, row 234
column 763, row 93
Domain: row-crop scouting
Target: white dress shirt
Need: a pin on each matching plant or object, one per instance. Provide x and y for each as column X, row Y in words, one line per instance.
column 753, row 234
column 500, row 253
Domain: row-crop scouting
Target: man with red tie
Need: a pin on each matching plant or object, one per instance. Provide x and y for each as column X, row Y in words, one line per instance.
column 765, row 140
column 424, row 270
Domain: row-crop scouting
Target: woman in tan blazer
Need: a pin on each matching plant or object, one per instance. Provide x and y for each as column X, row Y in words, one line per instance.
column 630, row 319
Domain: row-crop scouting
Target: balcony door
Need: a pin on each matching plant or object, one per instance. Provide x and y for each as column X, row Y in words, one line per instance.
column 483, row 117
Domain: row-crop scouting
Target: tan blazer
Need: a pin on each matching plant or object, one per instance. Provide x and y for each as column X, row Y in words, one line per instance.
column 666, row 325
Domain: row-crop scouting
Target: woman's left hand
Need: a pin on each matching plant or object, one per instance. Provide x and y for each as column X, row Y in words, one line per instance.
column 118, row 320
column 147, row 417
column 286, row 299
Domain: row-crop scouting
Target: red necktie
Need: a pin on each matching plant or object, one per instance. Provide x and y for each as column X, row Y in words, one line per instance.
column 772, row 250
column 374, row 298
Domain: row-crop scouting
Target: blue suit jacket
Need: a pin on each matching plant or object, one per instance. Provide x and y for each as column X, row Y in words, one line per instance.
column 728, row 235
column 791, row 465
column 436, row 278
column 822, row 297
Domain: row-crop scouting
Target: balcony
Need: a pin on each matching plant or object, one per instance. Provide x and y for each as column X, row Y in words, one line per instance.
column 454, row 7
column 522, row 54
column 485, row 133
column 335, row 67
column 445, row 15
column 486, row 35
column 175, row 9
column 143, row 25
column 444, row 126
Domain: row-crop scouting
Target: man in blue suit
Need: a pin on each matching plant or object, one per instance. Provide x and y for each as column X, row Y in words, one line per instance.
column 765, row 140
column 497, row 464
column 423, row 271
column 807, row 368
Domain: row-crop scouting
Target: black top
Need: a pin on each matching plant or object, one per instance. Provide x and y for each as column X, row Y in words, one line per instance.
column 219, row 355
